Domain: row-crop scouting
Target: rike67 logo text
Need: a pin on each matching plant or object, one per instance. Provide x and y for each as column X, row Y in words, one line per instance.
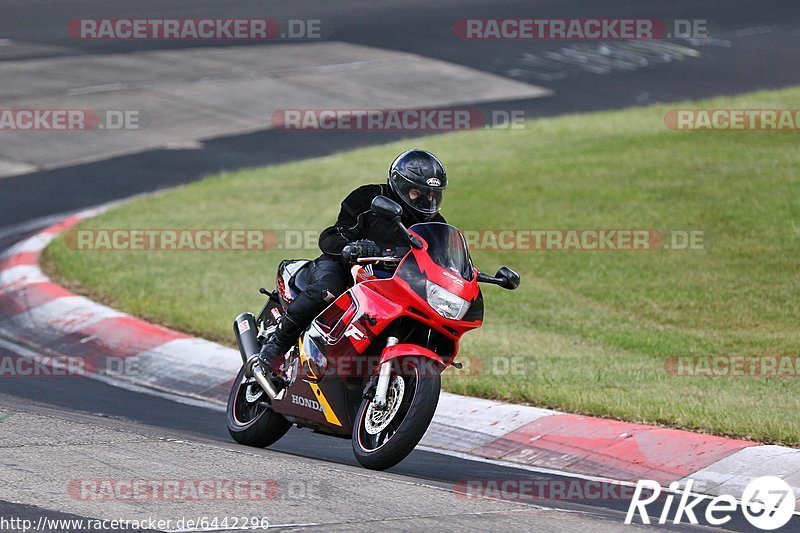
column 767, row 502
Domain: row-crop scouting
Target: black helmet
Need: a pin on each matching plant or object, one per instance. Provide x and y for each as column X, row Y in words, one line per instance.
column 418, row 178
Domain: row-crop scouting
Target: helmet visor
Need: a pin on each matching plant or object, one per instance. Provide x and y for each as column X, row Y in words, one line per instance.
column 427, row 200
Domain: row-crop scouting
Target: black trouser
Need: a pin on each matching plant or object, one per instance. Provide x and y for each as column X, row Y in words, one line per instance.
column 329, row 279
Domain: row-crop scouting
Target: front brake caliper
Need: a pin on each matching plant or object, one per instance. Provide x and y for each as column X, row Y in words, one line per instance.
column 369, row 390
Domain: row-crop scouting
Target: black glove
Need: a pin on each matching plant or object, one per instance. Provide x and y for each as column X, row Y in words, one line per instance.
column 352, row 251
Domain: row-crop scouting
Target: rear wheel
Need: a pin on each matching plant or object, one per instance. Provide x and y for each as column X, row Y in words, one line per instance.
column 384, row 437
column 251, row 420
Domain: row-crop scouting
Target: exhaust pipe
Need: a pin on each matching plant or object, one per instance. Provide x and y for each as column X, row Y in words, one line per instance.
column 253, row 369
column 244, row 329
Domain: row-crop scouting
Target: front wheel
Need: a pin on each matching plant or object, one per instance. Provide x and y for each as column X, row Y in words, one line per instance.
column 384, row 437
column 251, row 420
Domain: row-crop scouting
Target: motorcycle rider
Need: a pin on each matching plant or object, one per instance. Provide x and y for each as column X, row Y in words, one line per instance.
column 416, row 181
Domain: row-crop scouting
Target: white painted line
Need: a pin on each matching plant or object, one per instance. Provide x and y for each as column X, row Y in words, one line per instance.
column 93, row 89
column 9, row 168
column 102, row 208
column 43, row 222
column 37, row 243
column 17, row 349
column 536, row 469
column 32, row 225
column 166, row 395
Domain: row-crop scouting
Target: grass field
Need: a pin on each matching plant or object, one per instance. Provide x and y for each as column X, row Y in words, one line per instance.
column 596, row 327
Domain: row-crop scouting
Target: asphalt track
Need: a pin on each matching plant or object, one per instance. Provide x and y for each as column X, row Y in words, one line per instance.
column 196, row 423
column 752, row 59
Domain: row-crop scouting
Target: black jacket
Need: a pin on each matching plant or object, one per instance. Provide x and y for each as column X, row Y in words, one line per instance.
column 356, row 221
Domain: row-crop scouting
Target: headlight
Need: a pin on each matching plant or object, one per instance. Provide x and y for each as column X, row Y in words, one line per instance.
column 445, row 302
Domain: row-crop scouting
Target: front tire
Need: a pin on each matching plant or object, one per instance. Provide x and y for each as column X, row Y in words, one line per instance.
column 381, row 439
column 251, row 420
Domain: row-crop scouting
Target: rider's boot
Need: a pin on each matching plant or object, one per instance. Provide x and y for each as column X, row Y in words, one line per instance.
column 281, row 341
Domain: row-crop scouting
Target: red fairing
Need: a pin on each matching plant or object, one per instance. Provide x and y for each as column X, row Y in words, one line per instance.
column 348, row 329
column 361, row 314
column 403, row 350
column 393, row 297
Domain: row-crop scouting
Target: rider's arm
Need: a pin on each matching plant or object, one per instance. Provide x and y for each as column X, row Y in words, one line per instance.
column 348, row 226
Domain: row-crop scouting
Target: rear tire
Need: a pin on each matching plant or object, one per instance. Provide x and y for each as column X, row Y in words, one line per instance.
column 251, row 420
column 420, row 396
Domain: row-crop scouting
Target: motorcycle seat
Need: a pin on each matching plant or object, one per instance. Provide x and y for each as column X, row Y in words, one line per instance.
column 301, row 278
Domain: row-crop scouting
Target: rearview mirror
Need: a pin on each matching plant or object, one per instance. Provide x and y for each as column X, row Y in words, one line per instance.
column 386, row 207
column 510, row 278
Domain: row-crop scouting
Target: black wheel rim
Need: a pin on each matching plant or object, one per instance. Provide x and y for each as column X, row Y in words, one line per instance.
column 245, row 411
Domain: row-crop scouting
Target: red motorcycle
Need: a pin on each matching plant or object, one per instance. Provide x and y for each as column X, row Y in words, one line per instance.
column 369, row 366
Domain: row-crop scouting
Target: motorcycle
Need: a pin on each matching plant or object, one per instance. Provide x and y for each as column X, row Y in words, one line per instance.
column 368, row 367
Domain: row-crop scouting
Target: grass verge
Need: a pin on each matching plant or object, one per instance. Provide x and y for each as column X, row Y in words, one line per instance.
column 595, row 327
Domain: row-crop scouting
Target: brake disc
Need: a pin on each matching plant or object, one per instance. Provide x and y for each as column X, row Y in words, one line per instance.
column 376, row 420
column 252, row 392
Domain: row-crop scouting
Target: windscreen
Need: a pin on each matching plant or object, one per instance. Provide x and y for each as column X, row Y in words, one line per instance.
column 446, row 247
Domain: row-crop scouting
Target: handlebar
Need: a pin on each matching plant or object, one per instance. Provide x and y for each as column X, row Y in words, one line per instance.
column 388, row 259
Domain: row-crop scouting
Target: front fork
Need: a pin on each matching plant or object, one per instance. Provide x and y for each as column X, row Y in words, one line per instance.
column 384, row 376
